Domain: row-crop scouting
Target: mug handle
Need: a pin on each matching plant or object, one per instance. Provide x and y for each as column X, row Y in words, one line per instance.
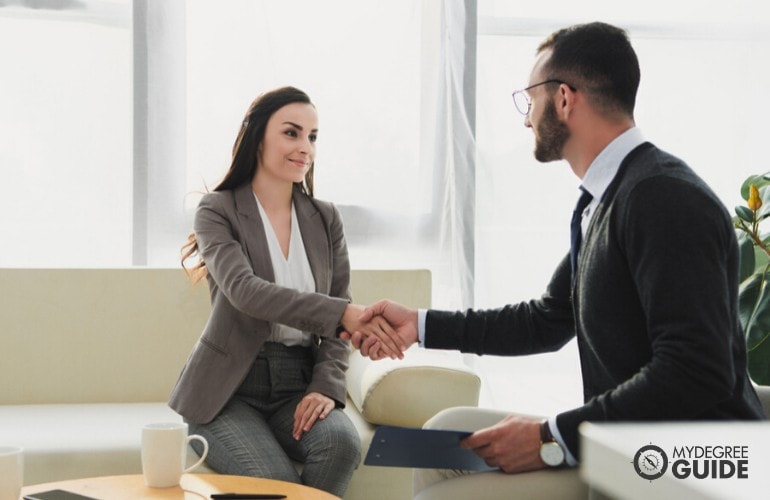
column 203, row 455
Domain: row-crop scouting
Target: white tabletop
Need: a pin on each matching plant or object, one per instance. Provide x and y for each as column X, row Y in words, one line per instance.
column 609, row 450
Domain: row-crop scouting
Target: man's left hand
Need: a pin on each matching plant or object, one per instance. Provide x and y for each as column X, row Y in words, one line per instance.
column 513, row 444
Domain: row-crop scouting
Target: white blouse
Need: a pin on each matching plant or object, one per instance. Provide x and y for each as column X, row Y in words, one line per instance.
column 292, row 272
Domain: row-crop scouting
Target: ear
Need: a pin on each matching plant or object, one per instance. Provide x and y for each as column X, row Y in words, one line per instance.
column 565, row 100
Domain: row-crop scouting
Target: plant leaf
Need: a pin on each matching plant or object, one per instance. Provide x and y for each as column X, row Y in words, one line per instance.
column 761, row 259
column 745, row 186
column 758, row 180
column 758, row 326
column 759, row 363
column 764, row 194
column 754, row 311
column 746, row 256
column 747, row 300
column 745, row 213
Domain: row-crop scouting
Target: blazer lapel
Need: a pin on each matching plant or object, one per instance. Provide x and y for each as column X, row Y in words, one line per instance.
column 252, row 231
column 312, row 227
column 316, row 240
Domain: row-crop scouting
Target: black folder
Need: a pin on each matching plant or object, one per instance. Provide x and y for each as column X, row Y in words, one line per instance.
column 422, row 448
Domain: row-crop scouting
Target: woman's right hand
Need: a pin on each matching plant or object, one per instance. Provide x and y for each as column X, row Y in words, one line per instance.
column 377, row 326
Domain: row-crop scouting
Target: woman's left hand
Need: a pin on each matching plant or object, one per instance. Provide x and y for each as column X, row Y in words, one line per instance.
column 312, row 407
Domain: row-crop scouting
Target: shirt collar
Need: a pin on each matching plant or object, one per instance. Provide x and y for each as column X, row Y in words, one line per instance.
column 606, row 165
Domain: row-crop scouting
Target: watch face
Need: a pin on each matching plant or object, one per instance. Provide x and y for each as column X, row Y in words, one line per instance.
column 552, row 454
column 650, row 462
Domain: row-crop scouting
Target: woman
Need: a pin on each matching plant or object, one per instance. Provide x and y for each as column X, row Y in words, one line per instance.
column 266, row 381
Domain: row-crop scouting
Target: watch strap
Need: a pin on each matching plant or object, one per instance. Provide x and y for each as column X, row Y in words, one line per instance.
column 545, row 433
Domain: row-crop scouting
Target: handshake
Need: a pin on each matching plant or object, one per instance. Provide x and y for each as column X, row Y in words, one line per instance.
column 384, row 329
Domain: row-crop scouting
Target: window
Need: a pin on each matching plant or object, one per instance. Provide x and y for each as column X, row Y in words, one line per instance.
column 66, row 152
column 130, row 110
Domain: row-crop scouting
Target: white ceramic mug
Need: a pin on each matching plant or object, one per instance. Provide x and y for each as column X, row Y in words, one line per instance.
column 11, row 472
column 164, row 453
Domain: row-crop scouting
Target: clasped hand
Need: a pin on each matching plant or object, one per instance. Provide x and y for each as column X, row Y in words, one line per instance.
column 384, row 329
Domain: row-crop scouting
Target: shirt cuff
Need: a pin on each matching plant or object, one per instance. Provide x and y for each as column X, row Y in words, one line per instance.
column 557, row 436
column 421, row 314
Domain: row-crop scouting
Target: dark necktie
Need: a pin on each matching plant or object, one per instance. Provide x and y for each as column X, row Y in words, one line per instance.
column 576, row 234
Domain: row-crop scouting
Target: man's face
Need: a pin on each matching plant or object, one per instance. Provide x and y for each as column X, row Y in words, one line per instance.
column 551, row 134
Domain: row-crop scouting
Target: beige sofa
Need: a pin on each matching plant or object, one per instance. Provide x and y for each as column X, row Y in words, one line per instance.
column 90, row 355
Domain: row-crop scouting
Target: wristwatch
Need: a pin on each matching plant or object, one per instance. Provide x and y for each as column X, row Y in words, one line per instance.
column 551, row 452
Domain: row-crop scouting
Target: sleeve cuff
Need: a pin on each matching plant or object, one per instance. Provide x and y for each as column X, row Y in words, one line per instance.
column 421, row 314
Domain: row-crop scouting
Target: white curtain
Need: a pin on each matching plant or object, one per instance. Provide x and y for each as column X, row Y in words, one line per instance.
column 454, row 155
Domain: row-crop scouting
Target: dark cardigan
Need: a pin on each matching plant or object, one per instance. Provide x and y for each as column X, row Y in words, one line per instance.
column 655, row 306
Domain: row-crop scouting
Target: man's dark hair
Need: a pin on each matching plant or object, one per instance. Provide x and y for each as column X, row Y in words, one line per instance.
column 596, row 58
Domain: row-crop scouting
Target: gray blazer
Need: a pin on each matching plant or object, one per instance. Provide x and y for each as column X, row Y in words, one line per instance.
column 245, row 300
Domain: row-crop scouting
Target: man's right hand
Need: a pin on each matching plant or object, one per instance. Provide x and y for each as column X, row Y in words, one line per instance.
column 401, row 318
column 374, row 326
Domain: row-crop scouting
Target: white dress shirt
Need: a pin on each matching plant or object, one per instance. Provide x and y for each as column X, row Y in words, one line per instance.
column 603, row 169
column 292, row 272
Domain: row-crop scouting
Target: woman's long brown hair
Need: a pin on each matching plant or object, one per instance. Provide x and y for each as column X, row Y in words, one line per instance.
column 244, row 163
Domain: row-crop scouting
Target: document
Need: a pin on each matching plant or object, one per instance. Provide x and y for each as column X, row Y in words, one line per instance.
column 422, row 448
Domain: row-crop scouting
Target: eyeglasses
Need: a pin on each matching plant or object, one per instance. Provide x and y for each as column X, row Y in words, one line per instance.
column 521, row 98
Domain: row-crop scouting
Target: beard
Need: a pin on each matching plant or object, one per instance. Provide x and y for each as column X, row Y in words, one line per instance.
column 551, row 136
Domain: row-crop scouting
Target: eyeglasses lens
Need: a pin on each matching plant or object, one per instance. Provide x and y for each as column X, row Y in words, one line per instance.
column 521, row 101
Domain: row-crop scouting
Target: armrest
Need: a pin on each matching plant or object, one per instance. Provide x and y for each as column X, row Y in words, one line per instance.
column 410, row 391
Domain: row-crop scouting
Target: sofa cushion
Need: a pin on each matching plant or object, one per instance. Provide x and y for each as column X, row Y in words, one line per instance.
column 377, row 388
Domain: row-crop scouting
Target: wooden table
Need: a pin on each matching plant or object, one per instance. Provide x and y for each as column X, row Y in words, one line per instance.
column 192, row 486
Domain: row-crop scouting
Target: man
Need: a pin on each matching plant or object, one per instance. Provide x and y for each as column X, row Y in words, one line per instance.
column 652, row 293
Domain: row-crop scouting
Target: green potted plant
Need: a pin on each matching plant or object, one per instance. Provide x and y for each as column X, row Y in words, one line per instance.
column 754, row 292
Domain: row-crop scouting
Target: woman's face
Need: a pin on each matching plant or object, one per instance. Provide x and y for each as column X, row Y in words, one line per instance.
column 288, row 148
